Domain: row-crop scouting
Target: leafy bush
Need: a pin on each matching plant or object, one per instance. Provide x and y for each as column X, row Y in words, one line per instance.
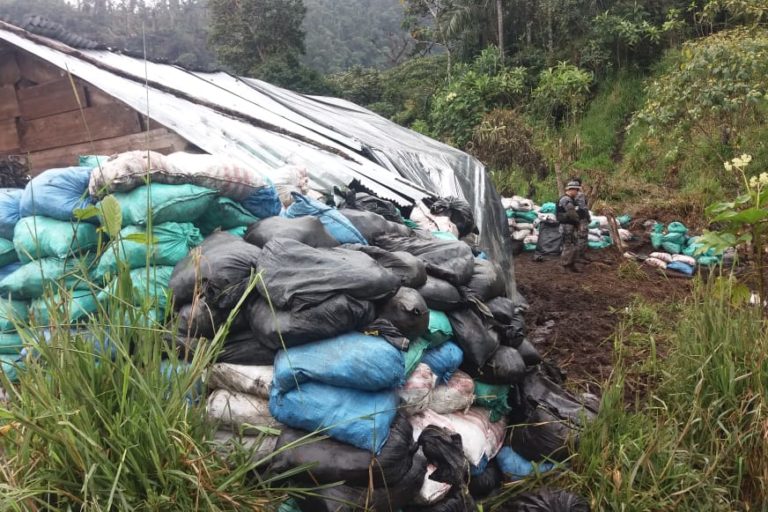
column 473, row 90
column 562, row 93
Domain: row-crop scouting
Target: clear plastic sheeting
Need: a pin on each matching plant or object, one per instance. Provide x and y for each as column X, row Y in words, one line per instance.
column 268, row 127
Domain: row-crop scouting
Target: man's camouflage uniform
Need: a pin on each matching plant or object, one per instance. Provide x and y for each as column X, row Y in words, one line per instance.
column 568, row 216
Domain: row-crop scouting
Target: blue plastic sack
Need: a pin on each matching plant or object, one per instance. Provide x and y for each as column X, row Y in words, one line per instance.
column 263, row 203
column 359, row 418
column 56, row 193
column 351, row 360
column 681, row 267
column 515, row 467
column 444, row 360
column 334, row 222
column 10, row 198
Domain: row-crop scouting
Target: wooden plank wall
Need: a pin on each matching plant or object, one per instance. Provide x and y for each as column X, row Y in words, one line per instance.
column 50, row 118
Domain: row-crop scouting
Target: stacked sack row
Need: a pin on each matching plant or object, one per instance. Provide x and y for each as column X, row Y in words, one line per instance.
column 529, row 222
column 676, row 250
column 399, row 344
column 55, row 253
column 410, row 358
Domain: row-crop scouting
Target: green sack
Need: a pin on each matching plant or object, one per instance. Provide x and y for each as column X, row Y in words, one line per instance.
column 677, row 227
column 440, row 329
column 169, row 244
column 42, row 237
column 151, row 290
column 7, row 252
column 12, row 313
column 548, row 208
column 594, row 224
column 414, row 354
column 672, row 247
column 78, row 304
column 527, row 216
column 224, row 213
column 602, row 244
column 444, row 235
column 238, row 231
column 529, row 247
column 657, row 235
column 708, row 261
column 494, row 398
column 410, row 224
column 91, row 160
column 10, row 367
column 30, row 280
column 624, row 220
column 170, row 203
column 10, row 344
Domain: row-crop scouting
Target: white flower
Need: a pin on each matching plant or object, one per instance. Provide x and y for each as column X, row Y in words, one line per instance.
column 746, row 158
column 450, row 96
column 763, row 179
column 753, row 181
column 728, row 166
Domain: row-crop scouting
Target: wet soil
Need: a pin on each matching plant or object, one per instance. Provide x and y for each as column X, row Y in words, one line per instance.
column 572, row 317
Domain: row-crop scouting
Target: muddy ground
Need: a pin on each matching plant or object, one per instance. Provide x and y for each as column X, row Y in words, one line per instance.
column 572, row 317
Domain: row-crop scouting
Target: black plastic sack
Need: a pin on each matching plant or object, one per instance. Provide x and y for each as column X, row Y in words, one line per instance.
column 545, row 500
column 553, row 421
column 221, row 266
column 441, row 295
column 297, row 276
column 456, row 501
column 200, row 320
column 458, row 211
column 444, row 450
column 334, row 461
column 530, row 355
column 487, row 281
column 241, row 348
column 345, row 498
column 486, row 482
column 408, row 313
column 372, row 225
column 386, row 329
column 550, row 240
column 451, row 260
column 410, row 269
column 505, row 366
column 369, row 203
column 510, row 321
column 476, row 341
column 337, row 315
column 307, row 230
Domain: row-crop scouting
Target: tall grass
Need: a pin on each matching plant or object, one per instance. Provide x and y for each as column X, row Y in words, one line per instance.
column 700, row 440
column 108, row 416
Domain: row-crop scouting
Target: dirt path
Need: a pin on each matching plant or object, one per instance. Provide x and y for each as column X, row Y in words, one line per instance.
column 572, row 317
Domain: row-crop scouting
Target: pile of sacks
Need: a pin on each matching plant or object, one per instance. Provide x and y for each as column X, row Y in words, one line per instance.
column 412, row 360
column 675, row 250
column 528, row 222
column 392, row 337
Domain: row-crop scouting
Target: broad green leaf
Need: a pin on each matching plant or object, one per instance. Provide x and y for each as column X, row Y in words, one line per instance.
column 88, row 212
column 140, row 238
column 111, row 215
column 749, row 216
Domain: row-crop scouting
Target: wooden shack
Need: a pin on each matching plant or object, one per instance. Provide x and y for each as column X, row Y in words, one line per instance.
column 50, row 117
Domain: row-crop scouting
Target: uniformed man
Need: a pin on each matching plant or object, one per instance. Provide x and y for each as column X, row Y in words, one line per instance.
column 582, row 234
column 568, row 217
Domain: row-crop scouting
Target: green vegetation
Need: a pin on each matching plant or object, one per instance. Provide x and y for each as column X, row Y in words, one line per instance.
column 693, row 436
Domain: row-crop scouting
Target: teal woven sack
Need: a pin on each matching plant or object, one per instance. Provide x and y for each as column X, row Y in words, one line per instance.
column 224, row 214
column 677, row 227
column 440, row 329
column 414, row 354
column 548, row 208
column 42, row 237
column 238, row 231
column 74, row 306
column 169, row 244
column 13, row 313
column 7, row 252
column 10, row 366
column 31, row 280
column 444, row 235
column 10, row 344
column 169, row 203
column 146, row 289
column 526, row 216
column 494, row 398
